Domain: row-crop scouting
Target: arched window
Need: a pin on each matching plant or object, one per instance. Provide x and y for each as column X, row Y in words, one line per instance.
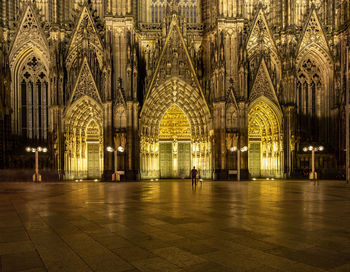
column 34, row 99
column 310, row 95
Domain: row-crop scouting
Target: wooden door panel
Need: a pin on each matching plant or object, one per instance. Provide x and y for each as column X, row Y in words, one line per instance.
column 93, row 160
column 184, row 159
column 254, row 159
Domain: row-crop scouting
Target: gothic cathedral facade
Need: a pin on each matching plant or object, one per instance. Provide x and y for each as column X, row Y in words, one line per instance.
column 176, row 84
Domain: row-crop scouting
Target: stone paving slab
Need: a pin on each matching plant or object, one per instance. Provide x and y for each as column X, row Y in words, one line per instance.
column 171, row 226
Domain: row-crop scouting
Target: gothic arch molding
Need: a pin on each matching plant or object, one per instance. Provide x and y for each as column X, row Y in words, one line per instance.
column 83, row 130
column 265, row 139
column 275, row 108
column 175, row 91
column 318, row 53
column 29, row 36
column 315, row 66
column 86, row 108
column 191, row 103
column 29, row 60
column 321, row 57
column 30, row 89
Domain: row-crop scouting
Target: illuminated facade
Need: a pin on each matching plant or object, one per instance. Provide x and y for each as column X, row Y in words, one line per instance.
column 176, row 84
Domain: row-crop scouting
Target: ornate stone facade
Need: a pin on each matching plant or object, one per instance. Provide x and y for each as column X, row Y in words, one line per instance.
column 81, row 75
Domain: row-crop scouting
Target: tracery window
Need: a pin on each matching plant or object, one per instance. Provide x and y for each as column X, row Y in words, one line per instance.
column 34, row 99
column 187, row 9
column 310, row 93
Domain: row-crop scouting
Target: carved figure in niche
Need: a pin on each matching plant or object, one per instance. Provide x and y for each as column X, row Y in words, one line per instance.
column 175, row 148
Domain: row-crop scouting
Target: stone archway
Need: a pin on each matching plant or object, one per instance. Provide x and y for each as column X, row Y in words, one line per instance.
column 192, row 107
column 265, row 140
column 83, row 157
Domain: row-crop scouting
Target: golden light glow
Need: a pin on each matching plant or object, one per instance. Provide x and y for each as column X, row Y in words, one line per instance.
column 84, row 140
column 174, row 151
column 265, row 141
column 174, row 125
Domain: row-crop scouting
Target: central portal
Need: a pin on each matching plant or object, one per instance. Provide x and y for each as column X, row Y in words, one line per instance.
column 174, row 144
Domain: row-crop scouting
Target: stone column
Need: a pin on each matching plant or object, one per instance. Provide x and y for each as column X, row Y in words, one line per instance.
column 219, row 148
column 243, row 137
column 132, row 142
column 107, row 140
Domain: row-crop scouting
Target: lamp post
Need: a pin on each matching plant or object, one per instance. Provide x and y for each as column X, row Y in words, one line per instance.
column 36, row 150
column 115, row 176
column 313, row 149
column 239, row 150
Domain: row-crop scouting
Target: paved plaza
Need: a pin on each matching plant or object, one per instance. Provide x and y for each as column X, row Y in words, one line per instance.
column 172, row 226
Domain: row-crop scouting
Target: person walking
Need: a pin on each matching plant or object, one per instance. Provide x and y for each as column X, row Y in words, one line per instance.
column 194, row 175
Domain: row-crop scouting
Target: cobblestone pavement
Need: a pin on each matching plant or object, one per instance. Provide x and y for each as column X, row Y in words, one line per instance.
column 172, row 226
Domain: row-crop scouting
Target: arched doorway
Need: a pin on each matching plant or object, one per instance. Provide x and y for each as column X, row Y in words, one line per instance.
column 174, row 144
column 265, row 142
column 175, row 124
column 83, row 156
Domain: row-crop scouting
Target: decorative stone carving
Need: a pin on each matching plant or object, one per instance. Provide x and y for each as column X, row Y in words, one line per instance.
column 313, row 39
column 260, row 39
column 29, row 35
column 174, row 125
column 85, row 37
column 263, row 85
column 85, row 85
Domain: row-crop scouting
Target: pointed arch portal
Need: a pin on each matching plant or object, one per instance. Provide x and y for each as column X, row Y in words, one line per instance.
column 265, row 142
column 84, row 140
column 175, row 132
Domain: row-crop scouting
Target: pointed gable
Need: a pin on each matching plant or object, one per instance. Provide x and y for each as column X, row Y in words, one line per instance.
column 85, row 85
column 263, row 85
column 85, row 30
column 261, row 37
column 313, row 33
column 313, row 37
column 29, row 36
column 175, row 61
